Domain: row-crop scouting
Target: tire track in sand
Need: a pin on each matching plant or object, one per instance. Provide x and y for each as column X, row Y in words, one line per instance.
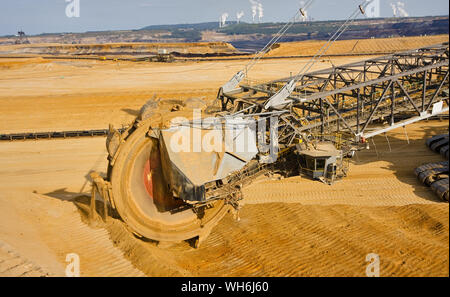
column 13, row 264
column 294, row 240
column 98, row 255
column 59, row 230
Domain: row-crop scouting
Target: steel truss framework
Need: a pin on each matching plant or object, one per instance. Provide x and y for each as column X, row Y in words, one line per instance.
column 359, row 100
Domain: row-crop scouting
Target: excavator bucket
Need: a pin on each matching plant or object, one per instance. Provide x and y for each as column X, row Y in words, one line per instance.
column 192, row 156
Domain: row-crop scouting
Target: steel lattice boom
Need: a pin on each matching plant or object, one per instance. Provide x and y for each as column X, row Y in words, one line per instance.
column 356, row 99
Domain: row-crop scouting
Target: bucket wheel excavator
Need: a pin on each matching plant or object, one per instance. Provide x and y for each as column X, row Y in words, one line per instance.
column 176, row 171
column 140, row 192
column 161, row 194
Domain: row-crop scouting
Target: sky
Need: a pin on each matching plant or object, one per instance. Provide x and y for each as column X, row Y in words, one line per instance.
column 49, row 16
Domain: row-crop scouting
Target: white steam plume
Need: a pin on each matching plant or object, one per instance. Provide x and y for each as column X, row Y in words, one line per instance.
column 303, row 17
column 394, row 9
column 260, row 11
column 223, row 19
column 254, row 5
column 239, row 16
column 401, row 9
column 398, row 9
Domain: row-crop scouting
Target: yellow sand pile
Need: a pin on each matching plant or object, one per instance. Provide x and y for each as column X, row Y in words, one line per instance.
column 380, row 45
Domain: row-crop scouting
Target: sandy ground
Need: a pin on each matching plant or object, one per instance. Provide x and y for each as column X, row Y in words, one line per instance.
column 294, row 227
column 68, row 95
column 376, row 45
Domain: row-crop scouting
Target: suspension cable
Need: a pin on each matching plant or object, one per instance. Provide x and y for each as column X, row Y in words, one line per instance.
column 333, row 38
column 238, row 77
column 277, row 36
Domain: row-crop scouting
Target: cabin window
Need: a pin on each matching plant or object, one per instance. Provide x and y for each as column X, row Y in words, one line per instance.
column 310, row 163
column 320, row 164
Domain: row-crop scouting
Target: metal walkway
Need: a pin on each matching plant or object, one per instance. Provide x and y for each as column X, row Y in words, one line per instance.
column 50, row 135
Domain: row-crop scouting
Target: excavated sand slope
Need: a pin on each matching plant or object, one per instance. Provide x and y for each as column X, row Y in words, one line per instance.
column 364, row 46
column 120, row 48
column 290, row 227
column 302, row 48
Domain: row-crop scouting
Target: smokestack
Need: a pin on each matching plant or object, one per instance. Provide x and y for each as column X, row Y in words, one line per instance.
column 373, row 9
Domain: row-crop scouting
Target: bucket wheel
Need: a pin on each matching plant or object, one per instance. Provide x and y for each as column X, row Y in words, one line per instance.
column 142, row 199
